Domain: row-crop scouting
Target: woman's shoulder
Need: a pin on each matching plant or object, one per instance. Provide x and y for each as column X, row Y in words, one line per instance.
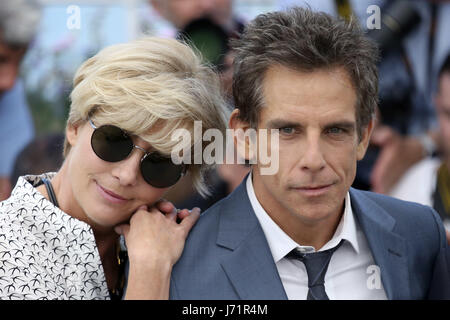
column 28, row 212
column 24, row 200
column 27, row 218
column 45, row 253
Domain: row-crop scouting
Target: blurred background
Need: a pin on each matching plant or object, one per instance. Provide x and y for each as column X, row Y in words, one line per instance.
column 57, row 51
column 43, row 42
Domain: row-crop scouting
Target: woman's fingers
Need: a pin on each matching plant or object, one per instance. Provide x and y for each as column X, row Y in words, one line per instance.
column 184, row 216
column 122, row 229
column 165, row 206
column 143, row 207
column 189, row 219
column 183, row 213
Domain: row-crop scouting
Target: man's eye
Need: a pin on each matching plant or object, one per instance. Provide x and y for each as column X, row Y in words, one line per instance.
column 287, row 130
column 336, row 130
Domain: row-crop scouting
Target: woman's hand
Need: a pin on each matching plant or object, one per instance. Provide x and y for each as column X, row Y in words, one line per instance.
column 154, row 235
column 155, row 242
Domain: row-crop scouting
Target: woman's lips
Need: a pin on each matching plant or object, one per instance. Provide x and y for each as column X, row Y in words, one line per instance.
column 109, row 195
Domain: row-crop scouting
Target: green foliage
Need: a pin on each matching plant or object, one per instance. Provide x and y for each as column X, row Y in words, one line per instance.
column 49, row 116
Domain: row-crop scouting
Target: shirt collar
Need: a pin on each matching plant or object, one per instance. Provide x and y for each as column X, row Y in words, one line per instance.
column 281, row 244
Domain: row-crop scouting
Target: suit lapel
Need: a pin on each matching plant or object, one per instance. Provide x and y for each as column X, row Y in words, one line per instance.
column 250, row 266
column 388, row 249
column 252, row 271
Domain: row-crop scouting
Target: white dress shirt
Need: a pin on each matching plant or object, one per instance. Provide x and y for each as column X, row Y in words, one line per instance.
column 352, row 273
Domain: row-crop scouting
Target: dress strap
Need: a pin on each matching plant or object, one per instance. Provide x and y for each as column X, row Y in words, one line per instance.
column 50, row 191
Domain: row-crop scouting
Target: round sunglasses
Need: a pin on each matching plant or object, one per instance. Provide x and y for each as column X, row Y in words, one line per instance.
column 112, row 144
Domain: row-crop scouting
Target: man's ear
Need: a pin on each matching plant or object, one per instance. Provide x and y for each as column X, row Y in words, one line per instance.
column 72, row 133
column 246, row 149
column 364, row 140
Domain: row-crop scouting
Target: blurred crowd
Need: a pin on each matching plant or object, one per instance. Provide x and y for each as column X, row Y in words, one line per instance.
column 409, row 155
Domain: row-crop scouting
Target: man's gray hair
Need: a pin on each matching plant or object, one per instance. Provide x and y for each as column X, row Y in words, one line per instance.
column 18, row 21
column 305, row 41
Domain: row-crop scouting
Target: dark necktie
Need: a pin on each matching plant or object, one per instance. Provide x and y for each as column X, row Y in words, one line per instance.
column 316, row 264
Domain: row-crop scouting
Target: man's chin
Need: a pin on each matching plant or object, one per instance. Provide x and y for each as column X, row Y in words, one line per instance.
column 314, row 208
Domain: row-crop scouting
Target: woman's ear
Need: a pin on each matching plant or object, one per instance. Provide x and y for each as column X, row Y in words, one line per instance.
column 72, row 132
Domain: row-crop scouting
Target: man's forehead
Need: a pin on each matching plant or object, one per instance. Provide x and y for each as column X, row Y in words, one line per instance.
column 286, row 91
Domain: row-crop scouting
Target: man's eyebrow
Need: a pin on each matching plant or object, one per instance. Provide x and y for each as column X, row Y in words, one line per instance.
column 282, row 123
column 349, row 125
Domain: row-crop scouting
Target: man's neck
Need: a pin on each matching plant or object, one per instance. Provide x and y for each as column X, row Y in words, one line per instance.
column 307, row 233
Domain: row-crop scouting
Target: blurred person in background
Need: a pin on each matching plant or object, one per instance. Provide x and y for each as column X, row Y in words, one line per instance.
column 213, row 23
column 181, row 13
column 40, row 155
column 60, row 232
column 428, row 182
column 18, row 24
column 410, row 61
column 195, row 16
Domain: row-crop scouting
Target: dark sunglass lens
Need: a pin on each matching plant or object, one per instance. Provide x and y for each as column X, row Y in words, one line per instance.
column 160, row 171
column 110, row 143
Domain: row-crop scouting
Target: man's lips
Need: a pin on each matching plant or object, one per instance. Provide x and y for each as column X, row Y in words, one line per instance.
column 314, row 187
column 314, row 190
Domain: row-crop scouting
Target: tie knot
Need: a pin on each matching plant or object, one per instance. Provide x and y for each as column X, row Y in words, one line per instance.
column 318, row 255
column 316, row 264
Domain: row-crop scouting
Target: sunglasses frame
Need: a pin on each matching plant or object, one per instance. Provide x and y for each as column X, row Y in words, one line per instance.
column 146, row 153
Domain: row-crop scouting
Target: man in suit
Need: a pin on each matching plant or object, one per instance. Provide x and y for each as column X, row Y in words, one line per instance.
column 303, row 232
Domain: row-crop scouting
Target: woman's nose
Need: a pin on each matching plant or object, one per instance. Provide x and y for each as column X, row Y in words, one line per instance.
column 127, row 171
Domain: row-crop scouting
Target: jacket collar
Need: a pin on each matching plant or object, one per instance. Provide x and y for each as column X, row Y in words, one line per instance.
column 250, row 266
column 388, row 248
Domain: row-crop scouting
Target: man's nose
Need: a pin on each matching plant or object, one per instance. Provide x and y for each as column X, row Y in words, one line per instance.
column 312, row 154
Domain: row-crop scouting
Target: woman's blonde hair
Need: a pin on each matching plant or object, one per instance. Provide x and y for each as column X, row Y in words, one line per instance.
column 149, row 87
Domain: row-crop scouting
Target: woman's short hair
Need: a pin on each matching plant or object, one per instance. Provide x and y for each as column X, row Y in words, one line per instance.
column 150, row 87
column 306, row 41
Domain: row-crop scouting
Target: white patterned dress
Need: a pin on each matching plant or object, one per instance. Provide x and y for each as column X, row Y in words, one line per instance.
column 44, row 252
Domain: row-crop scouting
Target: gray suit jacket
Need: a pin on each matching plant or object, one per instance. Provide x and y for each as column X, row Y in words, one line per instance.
column 227, row 256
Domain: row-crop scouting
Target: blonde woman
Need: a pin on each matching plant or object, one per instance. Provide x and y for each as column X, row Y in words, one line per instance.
column 59, row 232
